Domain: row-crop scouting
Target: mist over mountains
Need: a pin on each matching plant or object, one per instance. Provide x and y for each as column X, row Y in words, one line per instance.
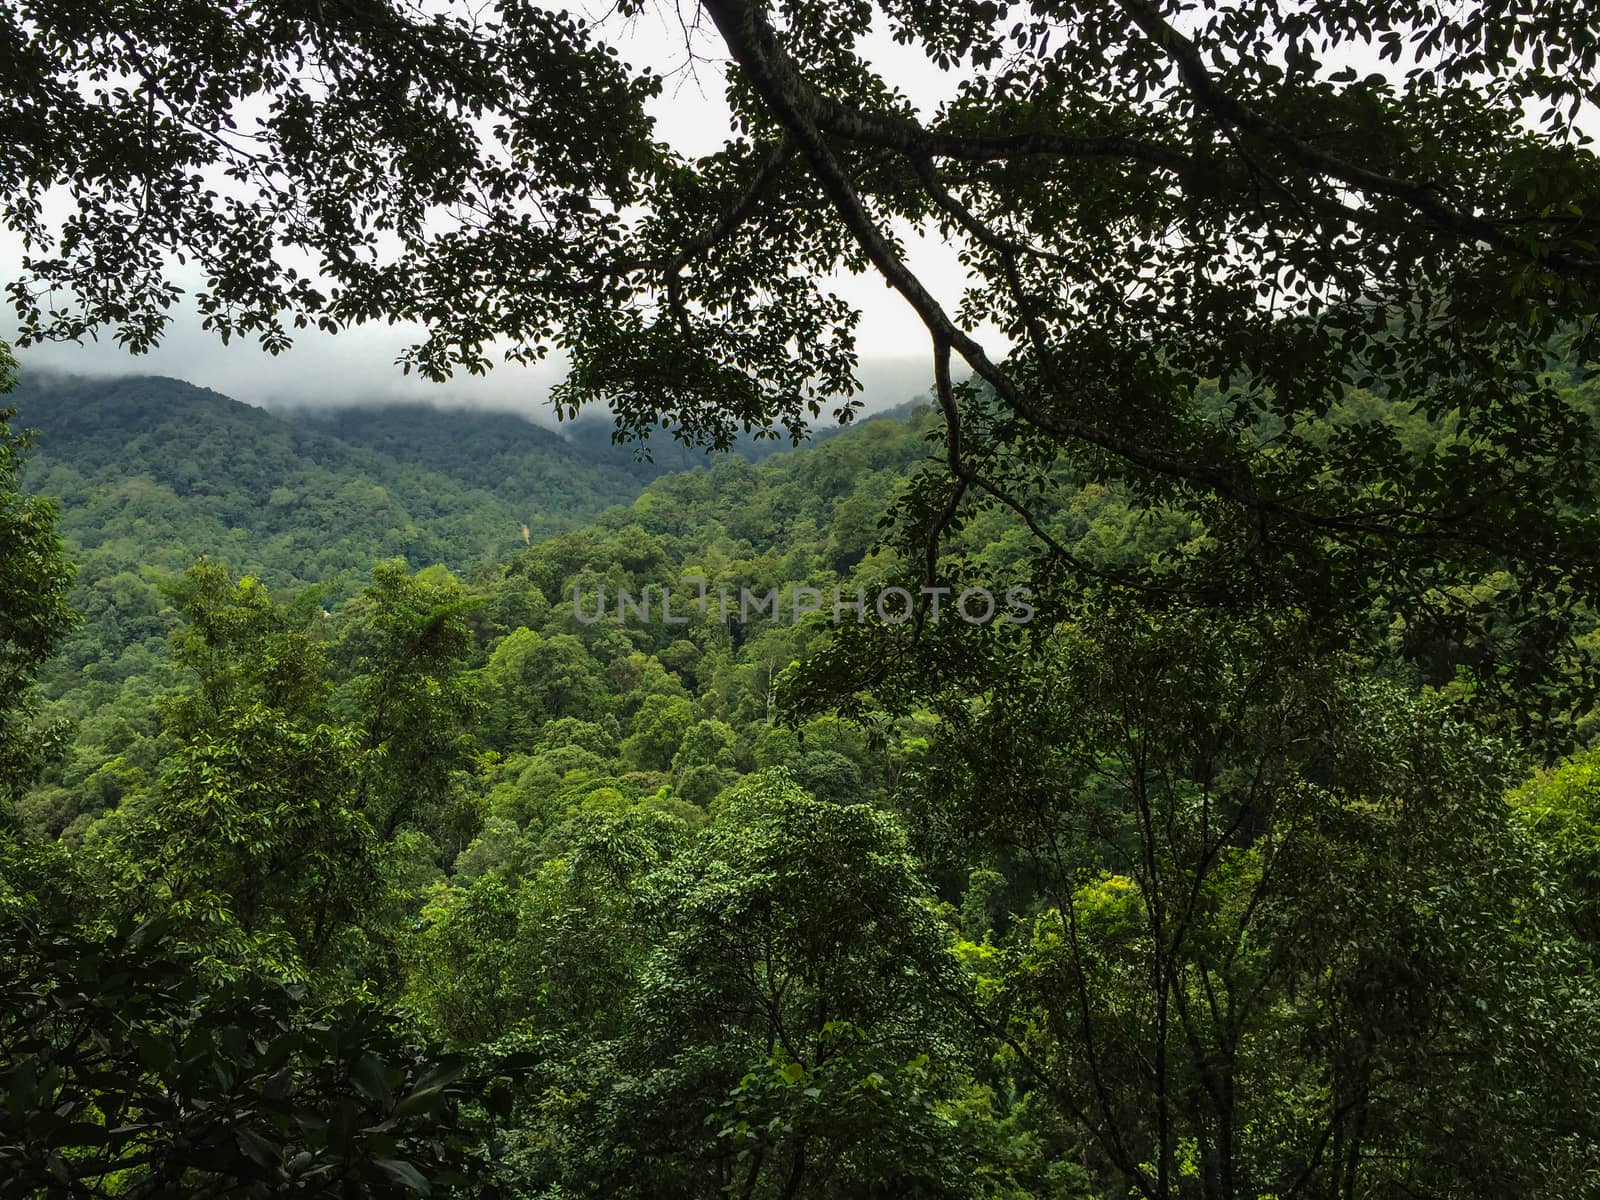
column 307, row 493
column 356, row 369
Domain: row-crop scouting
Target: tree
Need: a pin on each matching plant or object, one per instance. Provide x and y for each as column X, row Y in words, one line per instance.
column 556, row 953
column 829, row 775
column 1271, row 403
column 254, row 846
column 406, row 652
column 1284, row 935
column 272, row 835
column 257, row 843
column 531, row 679
column 784, row 1023
column 241, row 648
column 34, row 579
column 1151, row 198
column 658, row 731
column 1562, row 808
column 123, row 1074
column 704, row 762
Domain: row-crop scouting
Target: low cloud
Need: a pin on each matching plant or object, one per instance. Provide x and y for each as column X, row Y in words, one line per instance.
column 320, row 370
column 358, row 367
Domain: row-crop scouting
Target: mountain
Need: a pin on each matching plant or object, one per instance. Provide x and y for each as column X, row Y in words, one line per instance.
column 183, row 471
column 151, row 474
column 501, row 454
column 507, row 455
column 154, row 472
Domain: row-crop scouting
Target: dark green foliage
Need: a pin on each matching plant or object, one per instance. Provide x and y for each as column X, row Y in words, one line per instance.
column 34, row 578
column 1283, row 929
column 1187, row 900
column 802, row 1007
column 122, row 1074
column 151, row 474
column 402, row 657
column 536, row 663
column 514, row 459
column 775, row 1000
column 256, row 825
column 1201, row 885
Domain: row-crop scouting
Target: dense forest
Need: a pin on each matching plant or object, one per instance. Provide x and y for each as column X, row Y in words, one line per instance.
column 586, row 889
column 151, row 475
column 1161, row 763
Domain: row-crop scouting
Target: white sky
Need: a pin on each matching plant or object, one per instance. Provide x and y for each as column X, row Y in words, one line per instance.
column 358, row 364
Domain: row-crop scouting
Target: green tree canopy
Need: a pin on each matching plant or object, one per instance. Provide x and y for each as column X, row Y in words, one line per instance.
column 34, row 578
column 1292, row 939
column 1149, row 195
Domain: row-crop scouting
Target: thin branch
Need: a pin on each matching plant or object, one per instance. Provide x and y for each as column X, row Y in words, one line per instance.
column 739, row 210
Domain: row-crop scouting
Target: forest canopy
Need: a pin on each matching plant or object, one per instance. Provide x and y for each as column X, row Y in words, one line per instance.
column 1196, row 229
column 1260, row 863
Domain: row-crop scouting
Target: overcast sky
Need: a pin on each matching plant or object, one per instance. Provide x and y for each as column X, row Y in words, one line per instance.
column 358, row 364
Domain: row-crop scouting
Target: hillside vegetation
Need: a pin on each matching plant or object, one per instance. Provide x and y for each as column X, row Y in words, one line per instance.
column 789, row 520
column 1164, row 765
column 576, row 889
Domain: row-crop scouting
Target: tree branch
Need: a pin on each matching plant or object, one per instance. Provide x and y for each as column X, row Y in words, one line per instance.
column 1422, row 197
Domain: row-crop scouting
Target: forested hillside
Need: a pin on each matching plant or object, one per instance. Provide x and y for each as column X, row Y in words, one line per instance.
column 157, row 472
column 635, row 871
column 1163, row 765
column 802, row 519
column 511, row 457
column 152, row 473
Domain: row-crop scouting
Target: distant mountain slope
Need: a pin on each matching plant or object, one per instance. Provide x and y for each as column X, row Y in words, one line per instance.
column 197, row 472
column 500, row 453
column 591, row 434
column 152, row 473
column 505, row 454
